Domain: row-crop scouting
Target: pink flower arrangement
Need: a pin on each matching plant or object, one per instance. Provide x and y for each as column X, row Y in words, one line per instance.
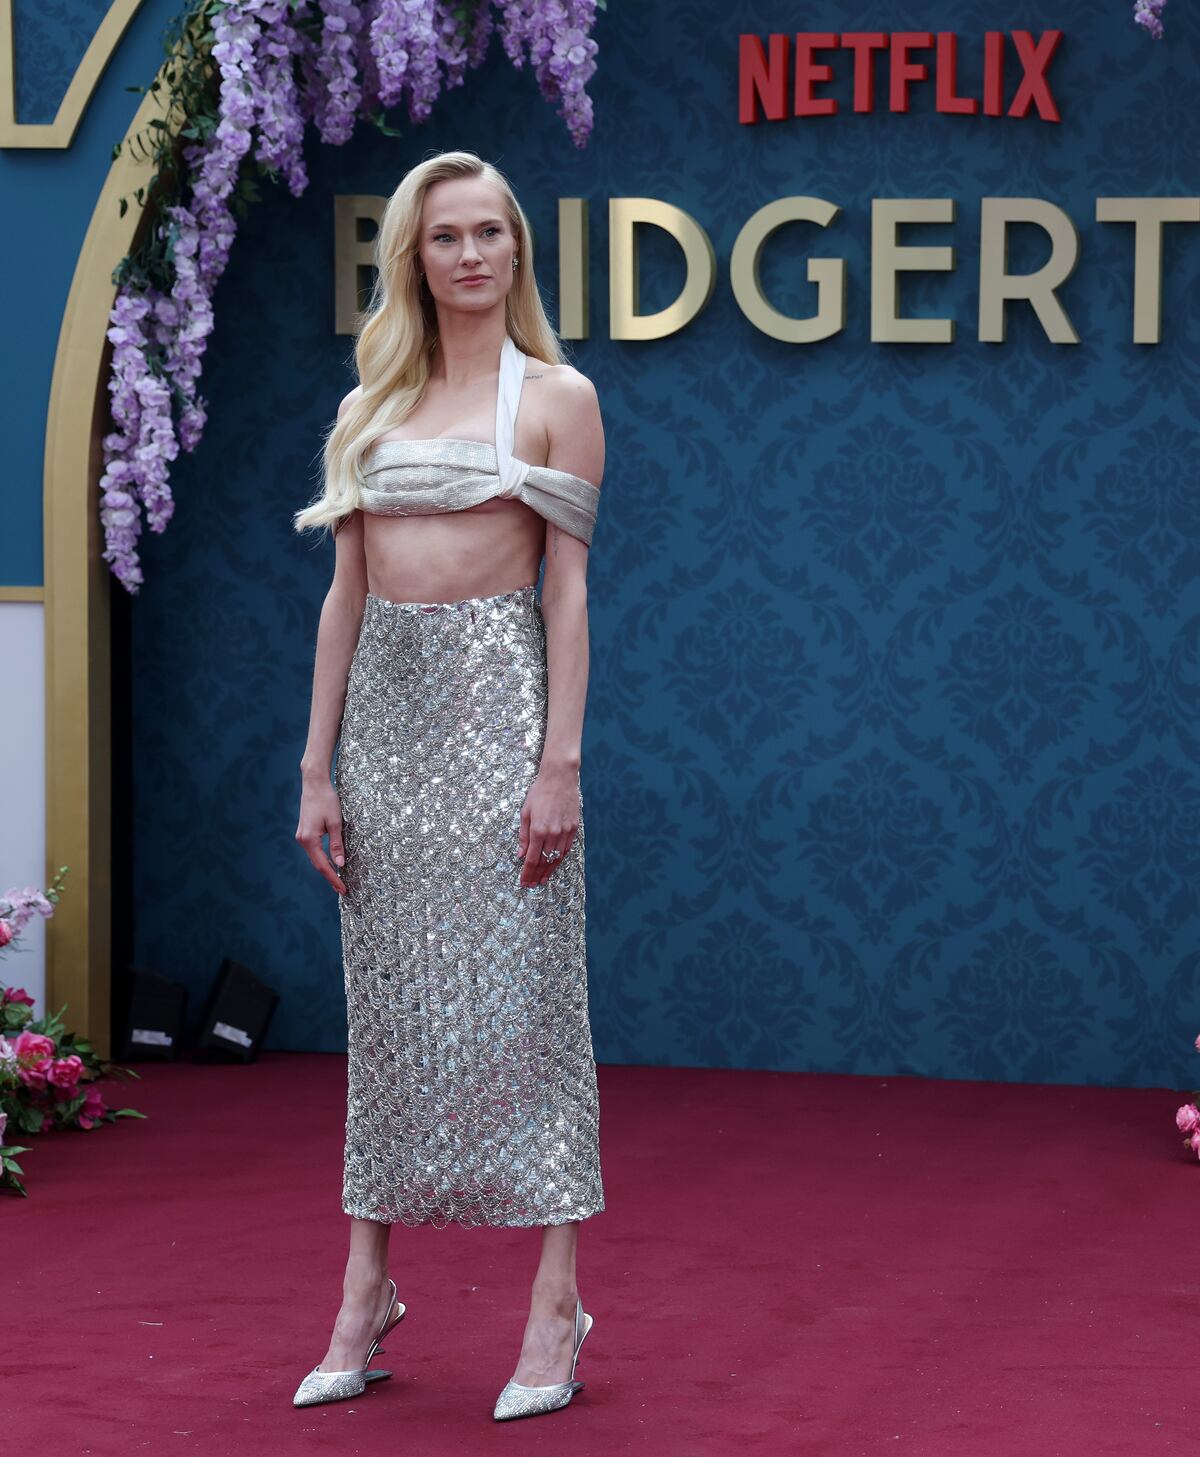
column 34, row 1055
column 94, row 1108
column 257, row 74
column 47, row 1075
column 18, row 906
column 1187, row 1120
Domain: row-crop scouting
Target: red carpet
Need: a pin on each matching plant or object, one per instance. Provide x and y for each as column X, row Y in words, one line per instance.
column 788, row 1264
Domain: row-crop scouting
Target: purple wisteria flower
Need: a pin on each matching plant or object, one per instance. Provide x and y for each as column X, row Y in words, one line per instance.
column 284, row 65
column 555, row 35
column 1149, row 14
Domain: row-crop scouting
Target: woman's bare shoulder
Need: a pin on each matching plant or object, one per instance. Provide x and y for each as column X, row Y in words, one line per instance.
column 574, row 427
column 571, row 400
column 566, row 383
column 349, row 400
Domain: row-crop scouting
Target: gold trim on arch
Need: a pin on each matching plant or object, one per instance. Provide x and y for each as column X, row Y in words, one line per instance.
column 78, row 584
column 61, row 131
column 22, row 594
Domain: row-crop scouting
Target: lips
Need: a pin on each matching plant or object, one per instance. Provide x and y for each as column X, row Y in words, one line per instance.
column 473, row 278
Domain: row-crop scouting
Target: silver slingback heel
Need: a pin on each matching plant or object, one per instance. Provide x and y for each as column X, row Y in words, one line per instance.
column 320, row 1385
column 527, row 1401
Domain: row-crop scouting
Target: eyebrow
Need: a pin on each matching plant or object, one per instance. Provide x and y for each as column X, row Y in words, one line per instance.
column 433, row 227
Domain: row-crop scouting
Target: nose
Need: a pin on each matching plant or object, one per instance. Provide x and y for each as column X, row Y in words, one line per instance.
column 470, row 252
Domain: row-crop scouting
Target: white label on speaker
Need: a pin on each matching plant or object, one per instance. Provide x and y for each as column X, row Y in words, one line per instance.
column 152, row 1035
column 232, row 1034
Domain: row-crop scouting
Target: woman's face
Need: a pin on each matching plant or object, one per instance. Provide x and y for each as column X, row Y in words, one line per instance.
column 465, row 233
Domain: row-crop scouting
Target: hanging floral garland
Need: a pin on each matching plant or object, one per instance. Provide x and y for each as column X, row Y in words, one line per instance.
column 1149, row 14
column 245, row 80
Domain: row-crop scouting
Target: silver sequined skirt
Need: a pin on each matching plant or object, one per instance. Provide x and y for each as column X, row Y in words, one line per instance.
column 472, row 1086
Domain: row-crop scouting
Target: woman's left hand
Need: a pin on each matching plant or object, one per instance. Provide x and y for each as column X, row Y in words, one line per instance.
column 549, row 821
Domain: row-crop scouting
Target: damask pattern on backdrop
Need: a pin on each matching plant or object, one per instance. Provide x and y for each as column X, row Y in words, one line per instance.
column 890, row 753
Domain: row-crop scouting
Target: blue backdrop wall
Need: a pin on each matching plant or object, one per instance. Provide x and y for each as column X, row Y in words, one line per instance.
column 890, row 753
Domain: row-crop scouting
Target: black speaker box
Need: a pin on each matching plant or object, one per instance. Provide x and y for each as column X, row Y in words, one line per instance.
column 152, row 1027
column 239, row 1010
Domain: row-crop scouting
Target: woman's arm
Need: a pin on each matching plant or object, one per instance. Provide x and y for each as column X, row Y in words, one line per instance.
column 551, row 817
column 337, row 637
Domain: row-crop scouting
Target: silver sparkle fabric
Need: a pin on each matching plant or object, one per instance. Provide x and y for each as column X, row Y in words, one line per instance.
column 423, row 477
column 472, row 1090
column 516, row 1400
column 527, row 1401
column 320, row 1386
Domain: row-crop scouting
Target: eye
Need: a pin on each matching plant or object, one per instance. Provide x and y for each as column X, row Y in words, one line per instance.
column 491, row 228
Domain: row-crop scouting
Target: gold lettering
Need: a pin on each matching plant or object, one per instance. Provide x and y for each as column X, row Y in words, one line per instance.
column 829, row 274
column 573, row 255
column 888, row 257
column 352, row 253
column 1147, row 214
column 997, row 287
column 624, row 214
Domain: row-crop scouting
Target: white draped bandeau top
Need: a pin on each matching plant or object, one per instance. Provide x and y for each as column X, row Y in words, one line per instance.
column 426, row 477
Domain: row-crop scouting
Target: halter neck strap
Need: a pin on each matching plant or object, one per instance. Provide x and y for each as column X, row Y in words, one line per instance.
column 512, row 472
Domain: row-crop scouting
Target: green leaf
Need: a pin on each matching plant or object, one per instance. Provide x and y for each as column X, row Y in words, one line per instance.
column 376, row 118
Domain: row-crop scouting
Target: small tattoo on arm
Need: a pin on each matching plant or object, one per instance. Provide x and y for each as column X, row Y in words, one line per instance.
column 555, row 532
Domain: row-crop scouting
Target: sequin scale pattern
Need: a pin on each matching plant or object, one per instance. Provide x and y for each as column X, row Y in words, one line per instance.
column 472, row 1093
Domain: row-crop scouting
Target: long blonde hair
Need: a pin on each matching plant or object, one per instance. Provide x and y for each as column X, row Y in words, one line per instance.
column 397, row 333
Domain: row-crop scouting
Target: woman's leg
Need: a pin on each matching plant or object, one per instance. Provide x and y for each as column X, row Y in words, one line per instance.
column 549, row 1342
column 366, row 1295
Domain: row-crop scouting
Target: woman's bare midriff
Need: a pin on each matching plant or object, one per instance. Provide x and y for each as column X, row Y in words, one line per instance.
column 447, row 556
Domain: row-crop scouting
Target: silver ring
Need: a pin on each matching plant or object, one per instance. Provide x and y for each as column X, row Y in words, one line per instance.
column 551, row 855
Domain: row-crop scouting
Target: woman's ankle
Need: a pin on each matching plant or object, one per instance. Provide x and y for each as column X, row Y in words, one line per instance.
column 557, row 1294
column 364, row 1284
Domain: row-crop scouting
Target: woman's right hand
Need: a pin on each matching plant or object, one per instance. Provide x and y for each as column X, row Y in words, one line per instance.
column 321, row 814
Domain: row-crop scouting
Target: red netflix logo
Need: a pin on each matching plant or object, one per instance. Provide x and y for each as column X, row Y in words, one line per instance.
column 772, row 80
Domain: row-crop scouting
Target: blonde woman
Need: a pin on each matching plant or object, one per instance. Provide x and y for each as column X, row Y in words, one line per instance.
column 468, row 453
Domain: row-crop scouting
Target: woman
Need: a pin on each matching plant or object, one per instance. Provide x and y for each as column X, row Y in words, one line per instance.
column 467, row 453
